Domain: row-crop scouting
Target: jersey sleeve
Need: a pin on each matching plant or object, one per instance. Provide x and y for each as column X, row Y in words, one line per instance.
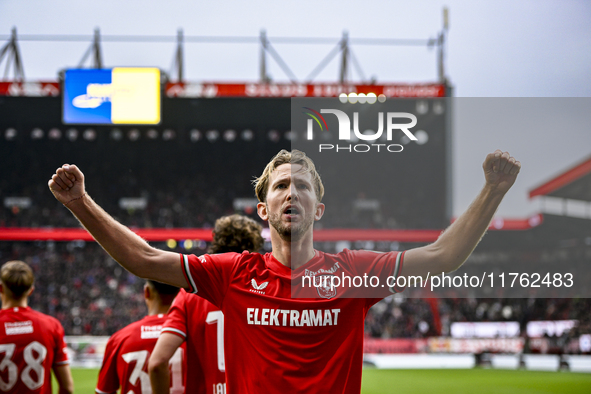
column 386, row 266
column 108, row 380
column 209, row 275
column 61, row 349
column 176, row 320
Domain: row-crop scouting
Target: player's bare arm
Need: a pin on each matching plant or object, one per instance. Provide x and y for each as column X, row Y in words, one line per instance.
column 165, row 348
column 454, row 246
column 126, row 247
column 64, row 379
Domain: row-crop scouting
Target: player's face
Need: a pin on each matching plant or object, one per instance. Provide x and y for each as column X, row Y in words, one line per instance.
column 291, row 205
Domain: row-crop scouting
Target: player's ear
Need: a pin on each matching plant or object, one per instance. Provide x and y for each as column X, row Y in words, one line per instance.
column 319, row 211
column 147, row 292
column 1, row 288
column 262, row 211
column 30, row 290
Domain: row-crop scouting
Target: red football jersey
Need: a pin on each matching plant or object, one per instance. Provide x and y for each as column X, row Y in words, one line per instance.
column 201, row 325
column 126, row 358
column 276, row 343
column 31, row 343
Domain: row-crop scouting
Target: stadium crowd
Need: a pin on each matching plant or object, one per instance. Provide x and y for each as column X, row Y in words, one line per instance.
column 78, row 283
column 192, row 198
column 188, row 205
column 90, row 294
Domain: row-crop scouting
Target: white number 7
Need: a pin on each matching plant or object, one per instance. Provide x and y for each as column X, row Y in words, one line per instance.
column 218, row 316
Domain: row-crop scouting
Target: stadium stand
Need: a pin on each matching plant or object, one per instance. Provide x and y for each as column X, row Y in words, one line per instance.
column 90, row 294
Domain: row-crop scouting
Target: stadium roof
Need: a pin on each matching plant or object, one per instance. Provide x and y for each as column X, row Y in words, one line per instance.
column 574, row 183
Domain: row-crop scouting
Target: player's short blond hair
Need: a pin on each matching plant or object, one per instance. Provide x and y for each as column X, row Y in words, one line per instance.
column 261, row 184
column 17, row 277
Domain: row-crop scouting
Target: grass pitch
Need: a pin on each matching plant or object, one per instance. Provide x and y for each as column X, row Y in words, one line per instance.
column 480, row 381
column 435, row 381
column 84, row 380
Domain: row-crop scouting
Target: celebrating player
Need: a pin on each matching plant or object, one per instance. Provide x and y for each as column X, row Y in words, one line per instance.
column 199, row 322
column 276, row 343
column 31, row 343
column 126, row 357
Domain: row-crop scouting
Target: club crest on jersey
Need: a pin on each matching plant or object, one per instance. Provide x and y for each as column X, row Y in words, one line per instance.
column 258, row 288
column 323, row 284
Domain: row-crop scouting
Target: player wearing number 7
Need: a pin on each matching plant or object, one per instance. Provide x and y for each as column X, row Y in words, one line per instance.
column 125, row 363
column 31, row 343
column 200, row 323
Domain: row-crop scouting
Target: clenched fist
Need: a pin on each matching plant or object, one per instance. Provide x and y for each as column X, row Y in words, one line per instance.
column 67, row 184
column 500, row 170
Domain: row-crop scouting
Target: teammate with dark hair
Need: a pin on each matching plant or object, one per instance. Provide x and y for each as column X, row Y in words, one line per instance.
column 31, row 343
column 126, row 356
column 236, row 233
column 200, row 323
column 276, row 342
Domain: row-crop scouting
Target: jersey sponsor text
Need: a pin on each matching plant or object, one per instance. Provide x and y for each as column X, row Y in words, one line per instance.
column 21, row 327
column 150, row 332
column 292, row 318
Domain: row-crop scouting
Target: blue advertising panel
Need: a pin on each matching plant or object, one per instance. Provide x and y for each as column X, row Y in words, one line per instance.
column 120, row 95
column 78, row 106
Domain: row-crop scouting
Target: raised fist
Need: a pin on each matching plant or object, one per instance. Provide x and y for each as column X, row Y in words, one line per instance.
column 67, row 184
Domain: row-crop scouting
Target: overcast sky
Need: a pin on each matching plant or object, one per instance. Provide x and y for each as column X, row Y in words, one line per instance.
column 500, row 48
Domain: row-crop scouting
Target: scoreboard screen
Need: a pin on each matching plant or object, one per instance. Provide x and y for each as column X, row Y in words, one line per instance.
column 120, row 95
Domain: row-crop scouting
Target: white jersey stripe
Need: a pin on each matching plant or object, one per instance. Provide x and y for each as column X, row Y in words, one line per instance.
column 396, row 272
column 397, row 266
column 186, row 263
column 174, row 330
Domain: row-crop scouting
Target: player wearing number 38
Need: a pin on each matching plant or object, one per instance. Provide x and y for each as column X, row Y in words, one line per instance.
column 31, row 343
